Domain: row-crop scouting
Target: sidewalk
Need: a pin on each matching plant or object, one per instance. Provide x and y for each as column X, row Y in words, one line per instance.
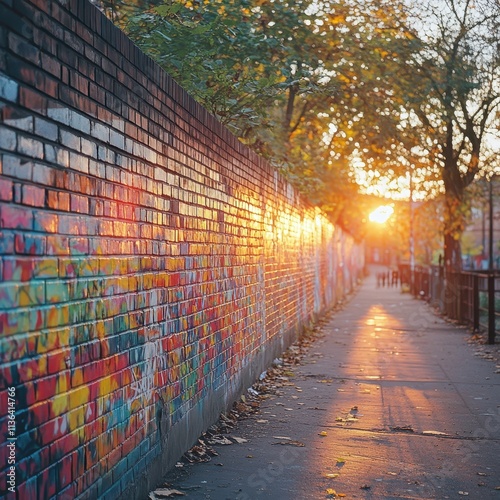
column 390, row 402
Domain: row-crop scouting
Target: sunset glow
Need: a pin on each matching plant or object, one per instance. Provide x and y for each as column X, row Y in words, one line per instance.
column 381, row 214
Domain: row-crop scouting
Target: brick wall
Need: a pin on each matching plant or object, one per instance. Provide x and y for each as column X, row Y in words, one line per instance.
column 151, row 265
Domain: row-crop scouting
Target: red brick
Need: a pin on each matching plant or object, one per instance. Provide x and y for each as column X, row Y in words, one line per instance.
column 6, row 192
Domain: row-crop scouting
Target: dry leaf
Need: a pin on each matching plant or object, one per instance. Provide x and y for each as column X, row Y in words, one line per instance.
column 330, row 491
column 323, row 433
column 239, row 440
column 166, row 492
column 330, row 475
column 291, row 443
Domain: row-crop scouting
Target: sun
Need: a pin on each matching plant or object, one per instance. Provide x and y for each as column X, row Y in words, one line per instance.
column 381, row 214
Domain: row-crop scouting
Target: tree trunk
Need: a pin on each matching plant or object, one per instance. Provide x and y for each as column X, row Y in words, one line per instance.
column 453, row 228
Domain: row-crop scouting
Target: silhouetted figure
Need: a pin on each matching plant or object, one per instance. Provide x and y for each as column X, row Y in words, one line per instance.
column 383, row 279
column 395, row 278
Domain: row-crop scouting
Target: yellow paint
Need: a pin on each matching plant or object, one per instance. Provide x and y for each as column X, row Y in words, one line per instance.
column 76, row 418
column 79, row 397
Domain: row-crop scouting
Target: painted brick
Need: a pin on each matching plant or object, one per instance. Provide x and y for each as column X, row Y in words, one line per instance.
column 8, row 88
column 14, row 217
column 33, row 196
column 8, row 139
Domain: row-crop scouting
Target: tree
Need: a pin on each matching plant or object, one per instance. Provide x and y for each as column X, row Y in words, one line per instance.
column 291, row 78
column 451, row 70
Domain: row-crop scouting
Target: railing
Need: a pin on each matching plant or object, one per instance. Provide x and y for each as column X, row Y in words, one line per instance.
column 472, row 298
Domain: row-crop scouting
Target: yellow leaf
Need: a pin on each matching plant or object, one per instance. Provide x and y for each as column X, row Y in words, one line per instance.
column 329, row 491
column 340, row 460
column 323, row 433
column 331, row 475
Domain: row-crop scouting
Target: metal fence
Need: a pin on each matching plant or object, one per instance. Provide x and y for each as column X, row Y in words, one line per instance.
column 472, row 298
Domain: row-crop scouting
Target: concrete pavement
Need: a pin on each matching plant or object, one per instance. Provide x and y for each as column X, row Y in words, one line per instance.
column 389, row 402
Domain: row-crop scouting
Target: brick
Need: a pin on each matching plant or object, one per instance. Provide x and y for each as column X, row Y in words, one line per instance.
column 32, row 100
column 33, row 196
column 24, row 49
column 14, row 217
column 70, row 140
column 46, row 129
column 57, row 245
column 29, row 147
column 6, row 190
column 56, row 155
column 58, row 113
column 50, row 64
column 46, row 222
column 9, row 89
column 30, row 244
column 8, row 139
column 79, row 122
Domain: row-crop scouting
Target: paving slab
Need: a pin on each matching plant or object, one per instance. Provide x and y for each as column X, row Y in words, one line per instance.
column 391, row 402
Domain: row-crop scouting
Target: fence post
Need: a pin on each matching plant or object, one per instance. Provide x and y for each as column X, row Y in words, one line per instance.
column 475, row 302
column 491, row 309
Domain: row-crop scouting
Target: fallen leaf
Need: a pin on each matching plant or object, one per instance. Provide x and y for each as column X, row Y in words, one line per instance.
column 404, row 428
column 238, row 439
column 165, row 493
column 340, row 460
column 291, row 443
column 330, row 475
column 323, row 433
column 330, row 491
column 481, row 474
column 434, row 433
column 249, row 456
column 341, row 495
column 463, row 493
column 282, row 437
column 262, row 421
